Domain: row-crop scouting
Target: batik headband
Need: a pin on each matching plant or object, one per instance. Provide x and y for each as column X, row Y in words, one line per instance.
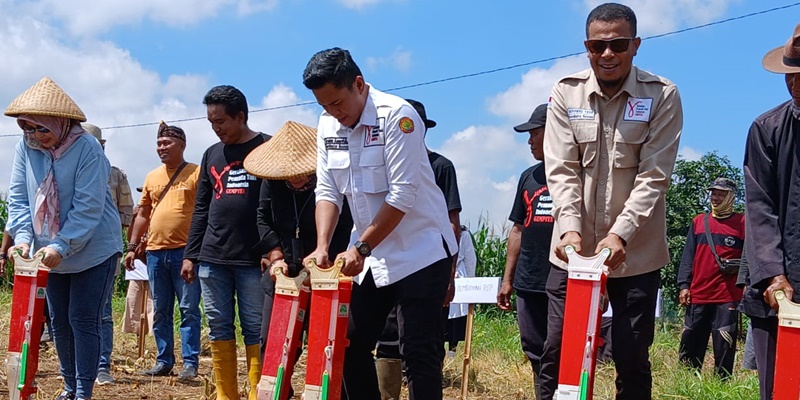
column 165, row 130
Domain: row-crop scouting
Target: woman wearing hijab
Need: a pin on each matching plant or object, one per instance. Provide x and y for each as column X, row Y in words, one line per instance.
column 60, row 209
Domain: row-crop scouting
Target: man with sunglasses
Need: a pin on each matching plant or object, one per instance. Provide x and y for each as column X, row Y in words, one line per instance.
column 611, row 139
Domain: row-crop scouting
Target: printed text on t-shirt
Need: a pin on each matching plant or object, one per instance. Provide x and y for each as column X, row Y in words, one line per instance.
column 544, row 207
column 237, row 183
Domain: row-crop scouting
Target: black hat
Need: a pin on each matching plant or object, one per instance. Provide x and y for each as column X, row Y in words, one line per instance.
column 139, row 189
column 429, row 123
column 723, row 184
column 536, row 121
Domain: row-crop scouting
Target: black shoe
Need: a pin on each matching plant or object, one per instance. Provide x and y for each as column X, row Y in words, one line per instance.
column 160, row 369
column 187, row 373
column 65, row 395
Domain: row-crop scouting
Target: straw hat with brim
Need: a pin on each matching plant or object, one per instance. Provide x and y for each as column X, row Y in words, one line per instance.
column 291, row 153
column 785, row 59
column 45, row 98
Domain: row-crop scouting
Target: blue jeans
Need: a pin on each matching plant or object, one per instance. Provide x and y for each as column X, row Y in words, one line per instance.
column 107, row 331
column 164, row 270
column 221, row 285
column 76, row 305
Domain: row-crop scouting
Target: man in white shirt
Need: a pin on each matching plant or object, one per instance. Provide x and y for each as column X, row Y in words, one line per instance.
column 371, row 150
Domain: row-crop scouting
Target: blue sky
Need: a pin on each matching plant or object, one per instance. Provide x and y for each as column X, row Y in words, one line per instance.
column 129, row 62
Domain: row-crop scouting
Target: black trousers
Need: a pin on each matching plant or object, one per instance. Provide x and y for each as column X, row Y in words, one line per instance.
column 419, row 299
column 765, row 337
column 389, row 340
column 720, row 321
column 532, row 320
column 266, row 309
column 633, row 300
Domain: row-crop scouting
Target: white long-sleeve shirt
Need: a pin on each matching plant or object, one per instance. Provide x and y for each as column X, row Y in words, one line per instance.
column 383, row 159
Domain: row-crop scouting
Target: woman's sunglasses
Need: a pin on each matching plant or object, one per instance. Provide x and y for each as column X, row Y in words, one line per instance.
column 31, row 130
column 618, row 45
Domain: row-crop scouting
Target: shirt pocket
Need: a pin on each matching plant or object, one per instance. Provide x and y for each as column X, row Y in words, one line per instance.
column 373, row 168
column 339, row 168
column 182, row 195
column 586, row 137
column 628, row 140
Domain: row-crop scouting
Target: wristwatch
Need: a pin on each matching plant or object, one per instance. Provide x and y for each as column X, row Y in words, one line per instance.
column 363, row 248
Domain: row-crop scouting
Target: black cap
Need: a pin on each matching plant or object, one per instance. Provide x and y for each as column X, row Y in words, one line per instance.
column 723, row 184
column 537, row 119
column 139, row 189
column 429, row 123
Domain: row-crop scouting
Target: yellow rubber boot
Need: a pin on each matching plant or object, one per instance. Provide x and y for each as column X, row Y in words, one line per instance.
column 223, row 355
column 253, row 369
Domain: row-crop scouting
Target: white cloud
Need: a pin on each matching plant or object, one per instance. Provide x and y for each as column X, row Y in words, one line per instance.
column 100, row 15
column 270, row 121
column 690, row 154
column 247, row 7
column 490, row 159
column 660, row 16
column 113, row 89
column 488, row 162
column 399, row 60
column 359, row 4
column 518, row 101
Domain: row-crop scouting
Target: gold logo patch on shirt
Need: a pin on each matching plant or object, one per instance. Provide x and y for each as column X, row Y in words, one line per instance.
column 406, row 125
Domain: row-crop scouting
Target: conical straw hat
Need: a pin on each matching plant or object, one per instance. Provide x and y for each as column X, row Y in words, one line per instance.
column 291, row 153
column 45, row 98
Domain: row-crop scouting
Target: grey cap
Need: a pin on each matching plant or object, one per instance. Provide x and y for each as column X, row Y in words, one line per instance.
column 537, row 119
column 723, row 184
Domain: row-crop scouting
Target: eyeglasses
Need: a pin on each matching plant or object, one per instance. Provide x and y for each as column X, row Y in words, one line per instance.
column 31, row 130
column 618, row 45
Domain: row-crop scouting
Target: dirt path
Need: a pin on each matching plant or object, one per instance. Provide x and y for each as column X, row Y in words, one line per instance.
column 130, row 385
column 493, row 376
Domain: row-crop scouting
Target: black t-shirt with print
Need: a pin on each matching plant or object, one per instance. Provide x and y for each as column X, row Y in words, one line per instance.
column 224, row 229
column 533, row 209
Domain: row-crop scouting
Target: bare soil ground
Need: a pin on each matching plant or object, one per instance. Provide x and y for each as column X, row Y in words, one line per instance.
column 492, row 377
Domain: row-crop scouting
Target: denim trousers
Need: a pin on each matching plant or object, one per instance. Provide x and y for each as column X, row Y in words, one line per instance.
column 166, row 284
column 76, row 305
column 107, row 329
column 225, row 286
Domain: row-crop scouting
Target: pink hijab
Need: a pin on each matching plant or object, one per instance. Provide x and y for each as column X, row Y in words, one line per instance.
column 46, row 207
